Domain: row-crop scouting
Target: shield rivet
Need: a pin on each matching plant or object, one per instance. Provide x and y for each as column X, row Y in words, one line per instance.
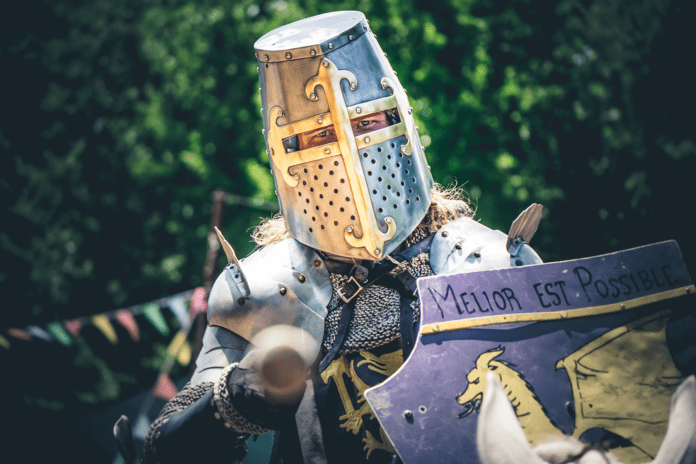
column 358, row 110
column 327, row 150
column 458, row 245
column 320, row 120
column 364, row 27
column 283, row 290
column 326, row 64
column 288, row 55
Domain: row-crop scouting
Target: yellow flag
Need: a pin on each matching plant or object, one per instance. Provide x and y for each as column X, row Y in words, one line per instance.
column 102, row 322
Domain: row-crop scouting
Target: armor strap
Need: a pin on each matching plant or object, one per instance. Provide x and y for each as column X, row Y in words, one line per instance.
column 343, row 323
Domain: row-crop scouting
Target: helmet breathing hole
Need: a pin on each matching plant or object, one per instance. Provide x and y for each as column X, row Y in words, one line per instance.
column 394, row 205
column 417, row 198
column 373, row 161
column 379, row 179
column 304, row 182
column 316, row 177
column 408, row 202
column 314, row 219
column 365, row 155
column 305, row 170
column 405, row 171
column 343, row 209
column 393, row 145
column 384, row 168
column 321, row 195
column 369, row 173
column 381, row 210
column 322, row 227
column 335, row 223
column 311, row 189
column 347, row 198
column 305, row 211
column 326, row 184
column 321, row 167
column 388, row 157
column 389, row 187
column 384, row 198
column 379, row 149
column 310, row 230
column 374, row 191
column 299, row 194
column 335, row 163
column 331, row 173
column 331, row 203
column 403, row 183
column 326, row 214
column 343, row 181
column 307, row 200
column 352, row 218
column 393, row 176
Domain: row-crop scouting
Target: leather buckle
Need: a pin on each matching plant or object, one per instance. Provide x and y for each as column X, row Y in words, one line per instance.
column 352, row 295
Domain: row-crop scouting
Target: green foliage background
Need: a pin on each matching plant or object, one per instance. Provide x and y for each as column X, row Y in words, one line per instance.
column 119, row 120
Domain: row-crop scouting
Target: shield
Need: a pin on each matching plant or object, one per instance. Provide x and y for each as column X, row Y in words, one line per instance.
column 592, row 348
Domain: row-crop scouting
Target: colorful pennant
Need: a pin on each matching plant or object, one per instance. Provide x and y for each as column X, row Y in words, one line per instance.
column 101, row 321
column 153, row 314
column 59, row 333
column 199, row 303
column 165, row 388
column 126, row 319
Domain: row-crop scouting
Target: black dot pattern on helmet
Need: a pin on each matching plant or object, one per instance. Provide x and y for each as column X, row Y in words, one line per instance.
column 323, row 200
column 387, row 180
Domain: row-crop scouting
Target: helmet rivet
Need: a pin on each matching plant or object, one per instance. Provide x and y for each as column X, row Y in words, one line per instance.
column 317, row 263
column 410, row 111
column 458, row 245
column 272, row 153
column 388, row 220
column 271, row 171
column 395, row 73
column 262, row 110
column 240, row 301
column 374, row 35
column 301, row 278
column 280, row 113
column 349, row 229
column 445, row 233
column 283, row 290
column 358, row 110
column 265, row 57
column 320, row 120
column 259, row 89
column 417, row 128
column 327, row 151
column 257, row 69
column 266, row 151
column 326, row 64
column 313, row 96
column 385, row 55
column 312, row 52
column 288, row 55
column 330, row 45
column 352, row 86
column 263, row 131
column 364, row 27
column 378, row 251
column 350, row 37
column 367, row 139
column 477, row 254
column 296, row 176
column 256, row 55
column 404, row 89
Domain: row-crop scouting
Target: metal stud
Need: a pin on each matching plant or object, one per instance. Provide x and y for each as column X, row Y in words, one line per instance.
column 240, row 302
column 353, row 86
column 408, row 414
column 281, row 113
column 217, row 415
column 288, row 55
column 350, row 37
column 364, row 27
column 330, row 45
column 301, row 278
column 327, row 150
column 261, row 110
column 296, row 176
column 263, row 131
column 313, row 96
column 326, row 64
column 367, row 139
column 385, row 55
column 265, row 57
column 317, row 263
column 312, row 52
column 256, row 55
column 320, row 120
column 358, row 110
column 257, row 69
column 272, row 153
column 477, row 254
column 374, row 35
column 388, row 220
column 283, row 290
column 458, row 245
column 445, row 233
column 378, row 251
column 349, row 229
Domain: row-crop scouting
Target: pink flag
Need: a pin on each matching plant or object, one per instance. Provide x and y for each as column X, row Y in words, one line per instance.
column 126, row 319
column 165, row 388
column 74, row 326
column 19, row 333
column 198, row 302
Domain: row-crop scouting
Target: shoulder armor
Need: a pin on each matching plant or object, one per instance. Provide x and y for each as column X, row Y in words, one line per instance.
column 288, row 283
column 466, row 245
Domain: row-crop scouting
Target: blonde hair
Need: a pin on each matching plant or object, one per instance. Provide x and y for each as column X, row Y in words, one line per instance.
column 447, row 204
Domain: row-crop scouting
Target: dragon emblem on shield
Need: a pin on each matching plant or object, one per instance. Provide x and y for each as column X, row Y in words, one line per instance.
column 622, row 382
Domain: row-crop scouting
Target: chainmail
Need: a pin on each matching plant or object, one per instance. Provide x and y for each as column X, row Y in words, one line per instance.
column 376, row 316
column 185, row 398
column 224, row 405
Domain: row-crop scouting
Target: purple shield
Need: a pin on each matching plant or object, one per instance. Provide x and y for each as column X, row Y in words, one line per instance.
column 592, row 348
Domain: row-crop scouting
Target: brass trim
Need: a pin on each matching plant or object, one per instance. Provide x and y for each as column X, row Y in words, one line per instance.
column 374, row 106
column 380, row 135
column 450, row 326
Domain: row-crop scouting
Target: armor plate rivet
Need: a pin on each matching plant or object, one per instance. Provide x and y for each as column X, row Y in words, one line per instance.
column 240, row 302
column 458, row 246
column 312, row 52
column 283, row 290
column 353, row 86
column 280, row 113
column 388, row 220
column 367, row 139
column 408, row 414
column 326, row 64
column 358, row 110
column 477, row 254
column 256, row 55
column 364, row 27
column 330, row 45
column 317, row 263
column 313, row 96
column 410, row 111
column 327, row 150
column 261, row 110
column 378, row 251
column 301, row 278
column 445, row 233
column 320, row 120
column 259, row 89
column 288, row 55
column 263, row 131
column 266, row 57
column 257, row 69
column 349, row 229
column 296, row 176
column 350, row 37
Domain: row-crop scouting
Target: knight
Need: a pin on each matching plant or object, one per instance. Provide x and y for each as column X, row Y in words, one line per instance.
column 360, row 221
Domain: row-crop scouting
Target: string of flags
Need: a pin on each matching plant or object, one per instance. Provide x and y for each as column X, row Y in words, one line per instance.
column 63, row 332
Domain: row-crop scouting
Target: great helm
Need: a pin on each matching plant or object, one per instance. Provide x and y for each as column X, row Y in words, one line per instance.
column 347, row 162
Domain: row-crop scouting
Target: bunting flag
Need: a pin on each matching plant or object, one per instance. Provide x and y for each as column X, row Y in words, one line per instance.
column 74, row 326
column 4, row 343
column 126, row 319
column 59, row 333
column 180, row 348
column 153, row 314
column 198, row 302
column 165, row 388
column 19, row 334
column 101, row 321
column 38, row 332
column 178, row 307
